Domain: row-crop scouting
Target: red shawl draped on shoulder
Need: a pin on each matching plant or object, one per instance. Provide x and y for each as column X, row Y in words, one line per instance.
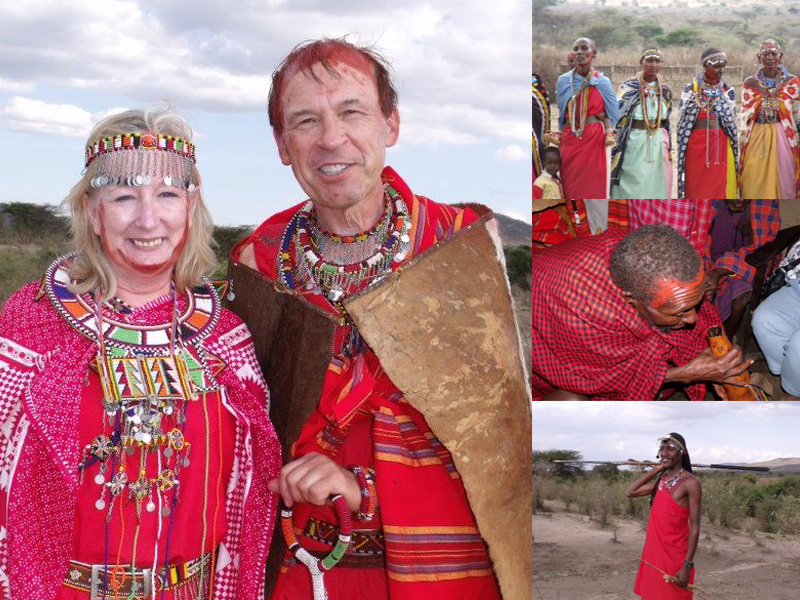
column 432, row 546
column 587, row 340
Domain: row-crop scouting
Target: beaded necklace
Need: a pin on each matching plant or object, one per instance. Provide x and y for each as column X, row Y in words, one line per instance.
column 148, row 378
column 583, row 91
column 769, row 109
column 672, row 481
column 708, row 96
column 312, row 269
column 709, row 93
column 317, row 567
column 646, row 90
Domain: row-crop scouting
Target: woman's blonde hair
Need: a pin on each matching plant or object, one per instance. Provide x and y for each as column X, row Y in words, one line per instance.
column 92, row 270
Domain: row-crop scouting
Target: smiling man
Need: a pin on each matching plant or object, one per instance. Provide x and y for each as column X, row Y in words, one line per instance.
column 618, row 318
column 353, row 431
column 673, row 528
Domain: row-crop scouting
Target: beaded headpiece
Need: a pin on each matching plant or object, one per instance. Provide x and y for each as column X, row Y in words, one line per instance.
column 766, row 44
column 770, row 42
column 140, row 159
column 652, row 52
column 715, row 58
column 669, row 439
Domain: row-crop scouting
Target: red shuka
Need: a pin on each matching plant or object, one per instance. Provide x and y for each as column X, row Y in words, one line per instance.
column 433, row 548
column 665, row 548
column 588, row 340
column 585, row 160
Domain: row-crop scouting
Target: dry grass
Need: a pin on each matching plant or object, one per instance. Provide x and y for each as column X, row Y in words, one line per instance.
column 731, row 502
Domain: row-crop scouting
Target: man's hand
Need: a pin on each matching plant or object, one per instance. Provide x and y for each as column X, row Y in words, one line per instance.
column 658, row 468
column 713, row 278
column 314, row 477
column 707, row 367
column 683, row 577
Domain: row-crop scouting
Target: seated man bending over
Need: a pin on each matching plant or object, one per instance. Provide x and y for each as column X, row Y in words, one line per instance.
column 618, row 318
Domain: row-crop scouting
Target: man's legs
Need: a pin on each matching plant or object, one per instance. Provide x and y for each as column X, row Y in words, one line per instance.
column 776, row 324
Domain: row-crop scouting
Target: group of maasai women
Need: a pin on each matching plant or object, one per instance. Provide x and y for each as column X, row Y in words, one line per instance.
column 621, row 147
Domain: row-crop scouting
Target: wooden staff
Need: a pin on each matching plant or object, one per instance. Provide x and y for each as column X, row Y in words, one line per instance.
column 631, row 463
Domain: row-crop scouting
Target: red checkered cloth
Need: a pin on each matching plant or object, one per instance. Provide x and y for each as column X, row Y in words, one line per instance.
column 587, row 340
column 691, row 218
column 765, row 220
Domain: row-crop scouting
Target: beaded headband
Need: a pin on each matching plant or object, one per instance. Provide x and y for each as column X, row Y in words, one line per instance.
column 652, row 52
column 141, row 158
column 672, row 439
column 767, row 43
column 715, row 58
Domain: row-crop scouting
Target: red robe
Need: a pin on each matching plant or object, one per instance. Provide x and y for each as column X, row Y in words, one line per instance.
column 44, row 366
column 587, row 340
column 665, row 547
column 432, row 546
column 585, row 161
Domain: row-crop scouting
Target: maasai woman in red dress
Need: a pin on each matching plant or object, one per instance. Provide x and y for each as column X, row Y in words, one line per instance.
column 588, row 113
column 132, row 410
column 707, row 133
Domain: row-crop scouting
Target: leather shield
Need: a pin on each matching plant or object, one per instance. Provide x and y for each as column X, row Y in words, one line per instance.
column 293, row 345
column 444, row 330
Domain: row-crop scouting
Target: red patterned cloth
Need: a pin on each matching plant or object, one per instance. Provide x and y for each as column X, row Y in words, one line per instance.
column 550, row 227
column 587, row 340
column 765, row 222
column 43, row 366
column 184, row 537
column 691, row 218
column 618, row 215
column 665, row 548
column 432, row 546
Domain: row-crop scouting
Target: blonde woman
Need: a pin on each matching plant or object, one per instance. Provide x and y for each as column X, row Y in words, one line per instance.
column 132, row 410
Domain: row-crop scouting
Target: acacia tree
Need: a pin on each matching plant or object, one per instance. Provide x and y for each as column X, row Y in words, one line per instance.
column 543, row 464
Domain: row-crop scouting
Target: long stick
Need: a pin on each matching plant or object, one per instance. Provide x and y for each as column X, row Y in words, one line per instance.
column 653, row 464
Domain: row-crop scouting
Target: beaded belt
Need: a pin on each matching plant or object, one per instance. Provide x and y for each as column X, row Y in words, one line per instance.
column 366, row 546
column 132, row 583
column 640, row 124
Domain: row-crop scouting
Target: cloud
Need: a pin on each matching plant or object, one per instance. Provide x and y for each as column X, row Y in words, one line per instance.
column 457, row 70
column 64, row 120
column 733, row 454
column 24, row 114
column 16, row 87
column 512, row 153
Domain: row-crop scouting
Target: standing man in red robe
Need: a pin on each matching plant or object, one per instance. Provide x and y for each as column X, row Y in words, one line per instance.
column 673, row 529
column 333, row 110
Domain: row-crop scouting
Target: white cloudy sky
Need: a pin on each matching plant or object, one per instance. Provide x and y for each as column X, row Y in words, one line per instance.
column 462, row 68
column 714, row 431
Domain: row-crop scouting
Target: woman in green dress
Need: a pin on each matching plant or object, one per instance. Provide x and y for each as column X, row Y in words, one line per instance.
column 641, row 164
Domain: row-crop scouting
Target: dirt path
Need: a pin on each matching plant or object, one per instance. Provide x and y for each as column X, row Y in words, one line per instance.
column 576, row 560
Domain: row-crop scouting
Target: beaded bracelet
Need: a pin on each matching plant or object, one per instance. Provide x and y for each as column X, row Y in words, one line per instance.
column 342, row 542
column 369, row 497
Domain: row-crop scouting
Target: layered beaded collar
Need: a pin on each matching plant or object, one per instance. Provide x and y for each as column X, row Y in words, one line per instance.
column 196, row 322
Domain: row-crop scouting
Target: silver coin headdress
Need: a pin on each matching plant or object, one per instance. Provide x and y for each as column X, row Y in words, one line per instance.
column 141, row 159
